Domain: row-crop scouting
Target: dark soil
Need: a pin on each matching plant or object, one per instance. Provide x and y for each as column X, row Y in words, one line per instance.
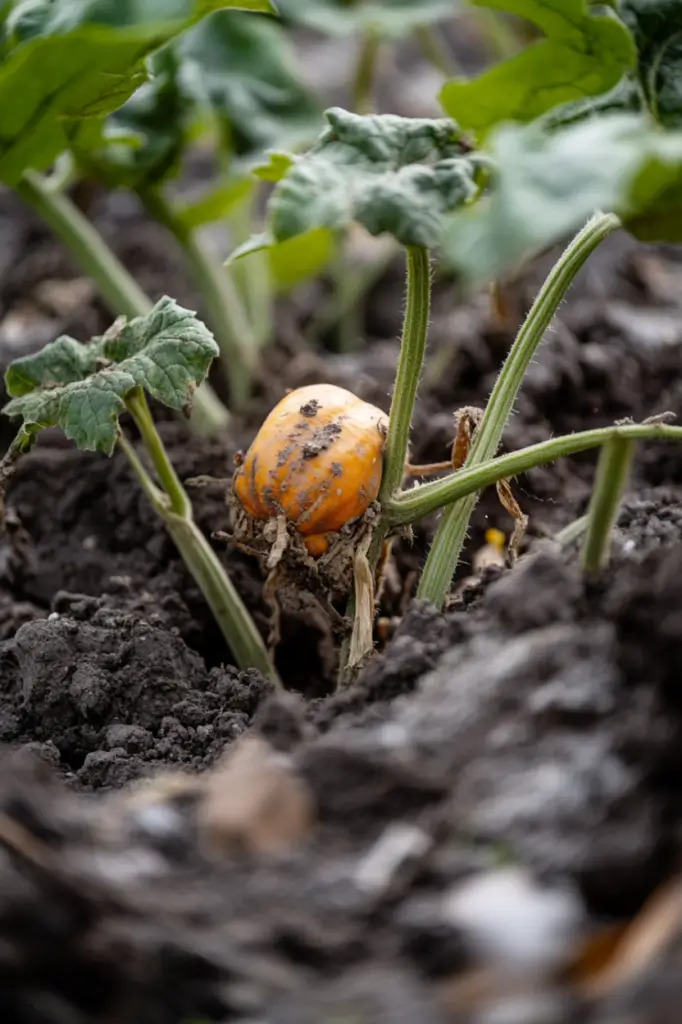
column 503, row 782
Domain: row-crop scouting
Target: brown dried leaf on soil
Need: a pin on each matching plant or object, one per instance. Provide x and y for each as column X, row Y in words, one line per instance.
column 253, row 801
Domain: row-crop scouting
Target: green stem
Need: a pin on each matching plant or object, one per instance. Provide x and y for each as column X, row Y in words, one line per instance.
column 451, row 534
column 612, row 476
column 570, row 533
column 410, row 362
column 412, row 505
column 499, row 34
column 350, row 321
column 178, row 500
column 175, row 508
column 435, row 51
column 225, row 308
column 253, row 274
column 363, row 78
column 361, row 280
column 119, row 291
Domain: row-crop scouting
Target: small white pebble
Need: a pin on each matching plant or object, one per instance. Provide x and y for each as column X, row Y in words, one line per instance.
column 513, row 921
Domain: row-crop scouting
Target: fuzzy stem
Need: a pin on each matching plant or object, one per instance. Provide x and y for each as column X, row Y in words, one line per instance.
column 412, row 348
column 410, row 361
column 412, row 505
column 119, row 291
column 363, row 78
column 612, row 476
column 226, row 311
column 451, row 534
column 175, row 508
column 178, row 500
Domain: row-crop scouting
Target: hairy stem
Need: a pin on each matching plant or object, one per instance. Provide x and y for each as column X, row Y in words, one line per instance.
column 451, row 534
column 410, row 361
column 175, row 508
column 118, row 289
column 612, row 476
column 412, row 505
column 227, row 315
column 178, row 500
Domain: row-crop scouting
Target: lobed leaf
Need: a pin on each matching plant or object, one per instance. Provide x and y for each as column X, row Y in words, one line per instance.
column 547, row 185
column 583, row 54
column 69, row 60
column 243, row 71
column 391, row 174
column 82, row 388
column 390, row 19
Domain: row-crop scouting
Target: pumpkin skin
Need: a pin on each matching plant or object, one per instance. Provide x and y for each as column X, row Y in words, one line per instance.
column 317, row 460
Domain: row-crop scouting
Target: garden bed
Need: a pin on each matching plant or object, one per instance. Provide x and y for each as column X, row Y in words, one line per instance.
column 535, row 724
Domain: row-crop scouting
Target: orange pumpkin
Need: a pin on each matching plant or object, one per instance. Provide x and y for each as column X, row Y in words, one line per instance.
column 317, row 459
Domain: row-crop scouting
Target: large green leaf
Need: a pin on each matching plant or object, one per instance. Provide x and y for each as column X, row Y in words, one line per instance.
column 156, row 116
column 74, row 60
column 546, row 185
column 390, row 174
column 237, row 68
column 657, row 29
column 81, row 388
column 243, row 70
column 582, row 54
column 30, row 18
column 390, row 18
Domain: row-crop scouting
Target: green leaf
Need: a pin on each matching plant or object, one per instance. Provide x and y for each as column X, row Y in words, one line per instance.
column 391, row 19
column 30, row 18
column 390, row 174
column 547, row 185
column 625, row 98
column 74, row 60
column 293, row 261
column 157, row 115
column 583, row 54
column 219, row 201
column 657, row 30
column 82, row 388
column 300, row 258
column 274, row 168
column 234, row 67
column 243, row 70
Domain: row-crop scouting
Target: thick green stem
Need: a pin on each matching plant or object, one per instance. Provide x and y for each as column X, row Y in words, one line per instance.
column 410, row 362
column 118, row 289
column 175, row 508
column 612, row 476
column 227, row 315
column 412, row 505
column 363, row 78
column 451, row 534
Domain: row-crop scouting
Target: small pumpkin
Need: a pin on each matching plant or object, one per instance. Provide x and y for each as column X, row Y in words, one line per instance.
column 317, row 460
